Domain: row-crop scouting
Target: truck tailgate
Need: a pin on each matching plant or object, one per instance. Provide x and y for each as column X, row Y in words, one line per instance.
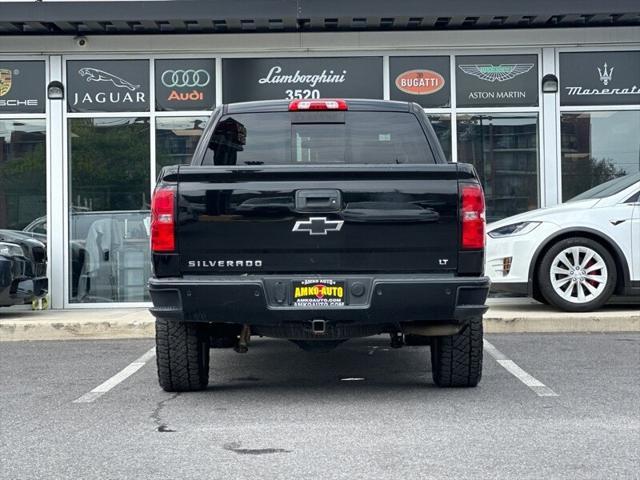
column 389, row 218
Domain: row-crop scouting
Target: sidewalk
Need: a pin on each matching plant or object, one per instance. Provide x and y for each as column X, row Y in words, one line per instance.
column 505, row 315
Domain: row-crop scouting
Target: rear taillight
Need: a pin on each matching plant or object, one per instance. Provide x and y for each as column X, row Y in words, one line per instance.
column 472, row 217
column 319, row 104
column 163, row 236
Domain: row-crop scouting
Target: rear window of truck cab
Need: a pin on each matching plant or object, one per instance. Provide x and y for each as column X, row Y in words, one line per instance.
column 318, row 138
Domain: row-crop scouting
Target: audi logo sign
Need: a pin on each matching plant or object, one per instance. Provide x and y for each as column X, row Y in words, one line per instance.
column 185, row 78
column 185, row 84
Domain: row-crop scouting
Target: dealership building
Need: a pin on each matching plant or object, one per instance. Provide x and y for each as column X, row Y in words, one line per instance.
column 97, row 96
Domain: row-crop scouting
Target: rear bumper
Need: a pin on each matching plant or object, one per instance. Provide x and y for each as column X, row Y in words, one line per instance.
column 388, row 299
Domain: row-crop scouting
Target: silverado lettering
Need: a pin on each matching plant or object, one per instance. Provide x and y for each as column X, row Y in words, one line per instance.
column 224, row 263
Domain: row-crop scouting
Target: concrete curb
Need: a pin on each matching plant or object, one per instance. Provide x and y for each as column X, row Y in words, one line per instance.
column 504, row 316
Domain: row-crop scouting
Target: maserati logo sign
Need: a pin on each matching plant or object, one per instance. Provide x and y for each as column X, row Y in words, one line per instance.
column 317, row 226
column 95, row 75
column 5, row 81
column 600, row 86
column 496, row 73
column 605, row 77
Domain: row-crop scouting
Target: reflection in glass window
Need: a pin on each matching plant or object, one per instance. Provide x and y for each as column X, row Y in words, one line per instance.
column 176, row 139
column 348, row 138
column 504, row 150
column 442, row 126
column 109, row 217
column 23, row 173
column 596, row 147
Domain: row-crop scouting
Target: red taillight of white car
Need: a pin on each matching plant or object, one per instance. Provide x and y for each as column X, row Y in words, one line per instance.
column 163, row 236
column 472, row 216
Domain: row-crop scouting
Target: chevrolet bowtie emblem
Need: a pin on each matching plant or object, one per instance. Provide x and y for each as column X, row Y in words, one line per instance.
column 317, row 226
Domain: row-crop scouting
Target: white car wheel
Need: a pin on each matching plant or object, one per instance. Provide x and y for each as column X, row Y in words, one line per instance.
column 578, row 274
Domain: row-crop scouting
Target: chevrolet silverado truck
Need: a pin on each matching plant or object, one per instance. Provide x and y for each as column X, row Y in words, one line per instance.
column 318, row 221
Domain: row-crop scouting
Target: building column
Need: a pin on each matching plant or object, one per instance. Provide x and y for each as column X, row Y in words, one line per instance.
column 550, row 154
column 56, row 181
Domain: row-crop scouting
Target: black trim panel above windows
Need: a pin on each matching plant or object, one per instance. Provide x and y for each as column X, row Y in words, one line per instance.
column 221, row 16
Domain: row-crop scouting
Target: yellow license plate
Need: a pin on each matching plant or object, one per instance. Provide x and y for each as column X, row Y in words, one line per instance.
column 318, row 293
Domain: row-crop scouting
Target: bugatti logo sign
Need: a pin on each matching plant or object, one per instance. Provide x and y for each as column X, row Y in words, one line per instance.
column 5, row 81
column 496, row 73
column 420, row 82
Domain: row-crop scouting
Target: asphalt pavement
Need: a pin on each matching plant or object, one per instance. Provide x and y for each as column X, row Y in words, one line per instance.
column 363, row 411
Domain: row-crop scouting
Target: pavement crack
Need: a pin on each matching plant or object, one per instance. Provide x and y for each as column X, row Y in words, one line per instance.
column 156, row 416
column 235, row 447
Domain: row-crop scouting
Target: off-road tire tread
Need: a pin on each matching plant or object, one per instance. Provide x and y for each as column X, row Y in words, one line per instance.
column 456, row 360
column 182, row 355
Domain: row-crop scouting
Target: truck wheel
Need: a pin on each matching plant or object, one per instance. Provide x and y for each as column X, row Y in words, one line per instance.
column 182, row 355
column 577, row 275
column 456, row 360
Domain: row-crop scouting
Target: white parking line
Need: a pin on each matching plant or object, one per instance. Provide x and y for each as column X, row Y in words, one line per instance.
column 510, row 366
column 122, row 375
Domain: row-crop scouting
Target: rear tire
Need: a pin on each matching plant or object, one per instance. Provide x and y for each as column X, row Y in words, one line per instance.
column 456, row 360
column 182, row 355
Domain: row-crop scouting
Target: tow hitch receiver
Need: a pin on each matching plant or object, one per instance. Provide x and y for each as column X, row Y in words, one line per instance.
column 319, row 326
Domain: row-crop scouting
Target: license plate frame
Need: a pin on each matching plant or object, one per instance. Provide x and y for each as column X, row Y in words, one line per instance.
column 318, row 293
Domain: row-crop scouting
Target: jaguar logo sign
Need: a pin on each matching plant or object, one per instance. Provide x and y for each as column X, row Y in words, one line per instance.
column 420, row 82
column 96, row 75
column 107, row 85
column 5, row 81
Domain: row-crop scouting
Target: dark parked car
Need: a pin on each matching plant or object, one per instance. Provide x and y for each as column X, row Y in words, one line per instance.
column 23, row 268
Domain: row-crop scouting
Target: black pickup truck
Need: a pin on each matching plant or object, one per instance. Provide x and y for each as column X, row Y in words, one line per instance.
column 318, row 221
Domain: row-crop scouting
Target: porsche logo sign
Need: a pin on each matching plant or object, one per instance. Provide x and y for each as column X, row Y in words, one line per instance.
column 419, row 82
column 5, row 81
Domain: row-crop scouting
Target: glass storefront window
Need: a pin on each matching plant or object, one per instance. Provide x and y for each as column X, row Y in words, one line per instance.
column 109, row 214
column 442, row 126
column 23, row 173
column 176, row 139
column 504, row 150
column 597, row 147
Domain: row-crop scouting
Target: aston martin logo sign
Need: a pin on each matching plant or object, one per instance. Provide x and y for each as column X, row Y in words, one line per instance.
column 5, row 81
column 497, row 80
column 496, row 73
